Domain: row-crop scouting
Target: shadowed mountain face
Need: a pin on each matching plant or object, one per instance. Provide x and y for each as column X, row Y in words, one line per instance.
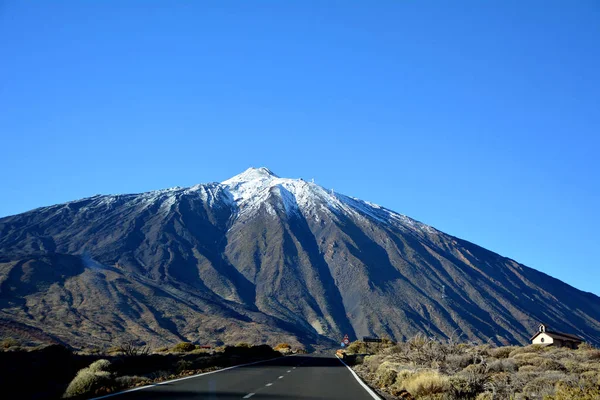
column 260, row 258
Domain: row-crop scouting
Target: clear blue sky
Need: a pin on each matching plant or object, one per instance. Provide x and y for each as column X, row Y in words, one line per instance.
column 481, row 118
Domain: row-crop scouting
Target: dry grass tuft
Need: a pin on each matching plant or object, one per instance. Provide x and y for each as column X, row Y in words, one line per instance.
column 426, row 383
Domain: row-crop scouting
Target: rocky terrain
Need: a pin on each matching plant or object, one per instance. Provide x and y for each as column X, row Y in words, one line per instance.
column 263, row 259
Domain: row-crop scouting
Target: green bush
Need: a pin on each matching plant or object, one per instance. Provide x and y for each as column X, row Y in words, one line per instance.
column 94, row 379
column 99, row 366
column 184, row 347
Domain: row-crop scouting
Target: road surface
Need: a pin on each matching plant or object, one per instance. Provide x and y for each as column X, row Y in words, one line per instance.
column 301, row 377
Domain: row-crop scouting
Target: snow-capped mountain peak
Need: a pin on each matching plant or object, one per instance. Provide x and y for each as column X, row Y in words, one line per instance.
column 251, row 189
column 251, row 174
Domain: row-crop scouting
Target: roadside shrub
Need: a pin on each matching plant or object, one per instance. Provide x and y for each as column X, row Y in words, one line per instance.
column 478, row 372
column 357, row 347
column 426, row 383
column 528, row 368
column 385, row 375
column 99, row 366
column 502, row 352
column 592, row 355
column 534, row 348
column 243, row 344
column 525, row 358
column 573, row 366
column 503, row 365
column 567, row 392
column 548, row 364
column 542, row 385
column 561, row 354
column 91, row 380
column 580, row 367
column 160, row 375
column 373, row 362
column 457, row 362
column 359, row 359
column 502, row 385
column 184, row 347
column 591, row 376
column 469, row 383
column 162, row 349
column 183, row 365
column 124, row 382
column 586, row 346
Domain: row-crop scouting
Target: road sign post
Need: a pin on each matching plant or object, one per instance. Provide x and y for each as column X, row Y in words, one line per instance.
column 346, row 340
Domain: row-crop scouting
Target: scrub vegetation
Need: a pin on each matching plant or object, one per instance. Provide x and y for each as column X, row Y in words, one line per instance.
column 429, row 369
column 57, row 371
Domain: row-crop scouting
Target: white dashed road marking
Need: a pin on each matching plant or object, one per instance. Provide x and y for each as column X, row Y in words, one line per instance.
column 248, row 395
column 280, row 377
column 288, row 371
column 268, row 384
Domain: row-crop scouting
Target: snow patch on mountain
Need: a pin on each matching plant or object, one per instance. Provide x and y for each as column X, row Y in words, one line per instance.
column 251, row 189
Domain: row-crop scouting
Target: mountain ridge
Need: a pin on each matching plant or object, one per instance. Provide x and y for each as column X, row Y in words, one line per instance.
column 267, row 257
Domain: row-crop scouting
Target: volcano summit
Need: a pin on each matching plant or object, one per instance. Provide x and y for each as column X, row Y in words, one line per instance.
column 259, row 258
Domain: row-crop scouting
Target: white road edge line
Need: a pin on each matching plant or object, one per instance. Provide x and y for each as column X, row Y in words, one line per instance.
column 364, row 385
column 181, row 379
column 248, row 395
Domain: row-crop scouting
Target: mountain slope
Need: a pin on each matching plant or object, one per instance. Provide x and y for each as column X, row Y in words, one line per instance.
column 263, row 258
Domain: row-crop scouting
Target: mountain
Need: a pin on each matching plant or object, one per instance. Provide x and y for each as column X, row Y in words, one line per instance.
column 259, row 258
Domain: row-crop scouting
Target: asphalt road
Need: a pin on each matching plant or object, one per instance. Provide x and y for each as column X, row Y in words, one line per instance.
column 295, row 377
